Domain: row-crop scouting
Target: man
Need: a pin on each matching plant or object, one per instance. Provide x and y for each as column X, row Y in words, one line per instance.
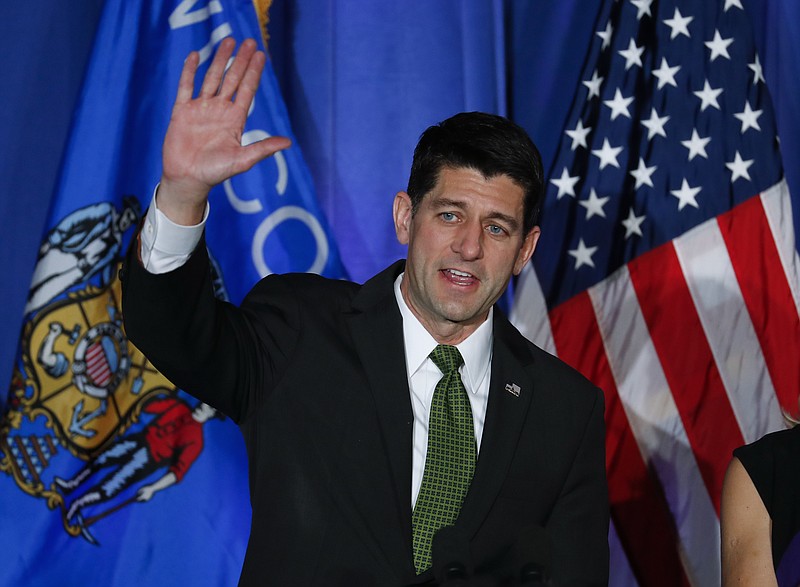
column 365, row 433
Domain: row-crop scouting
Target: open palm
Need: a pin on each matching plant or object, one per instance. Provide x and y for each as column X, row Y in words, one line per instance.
column 203, row 146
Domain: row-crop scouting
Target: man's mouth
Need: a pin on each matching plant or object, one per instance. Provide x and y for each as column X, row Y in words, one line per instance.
column 459, row 277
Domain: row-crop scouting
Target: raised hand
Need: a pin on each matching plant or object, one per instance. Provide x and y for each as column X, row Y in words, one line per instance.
column 203, row 147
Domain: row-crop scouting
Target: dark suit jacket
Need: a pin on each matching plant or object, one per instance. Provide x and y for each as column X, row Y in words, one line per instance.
column 313, row 372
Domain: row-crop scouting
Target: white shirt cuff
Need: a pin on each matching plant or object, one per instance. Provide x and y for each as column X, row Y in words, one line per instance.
column 166, row 245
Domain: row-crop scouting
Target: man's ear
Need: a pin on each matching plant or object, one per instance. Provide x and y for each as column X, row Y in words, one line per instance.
column 402, row 212
column 526, row 251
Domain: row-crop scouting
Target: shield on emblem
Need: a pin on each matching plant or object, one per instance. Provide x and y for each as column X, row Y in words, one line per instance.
column 85, row 376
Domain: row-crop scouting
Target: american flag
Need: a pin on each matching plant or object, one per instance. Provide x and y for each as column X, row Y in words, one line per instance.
column 667, row 271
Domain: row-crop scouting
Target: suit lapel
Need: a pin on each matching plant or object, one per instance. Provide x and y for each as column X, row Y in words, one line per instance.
column 510, row 393
column 377, row 332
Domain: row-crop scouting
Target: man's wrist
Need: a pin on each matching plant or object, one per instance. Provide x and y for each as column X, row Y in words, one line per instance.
column 182, row 207
column 166, row 244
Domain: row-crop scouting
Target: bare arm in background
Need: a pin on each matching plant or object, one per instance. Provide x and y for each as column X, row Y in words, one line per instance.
column 746, row 532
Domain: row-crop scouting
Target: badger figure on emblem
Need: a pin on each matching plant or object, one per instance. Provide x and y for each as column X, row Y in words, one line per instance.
column 83, row 244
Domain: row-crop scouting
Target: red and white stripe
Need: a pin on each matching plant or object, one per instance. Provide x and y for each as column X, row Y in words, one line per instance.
column 696, row 346
column 97, row 365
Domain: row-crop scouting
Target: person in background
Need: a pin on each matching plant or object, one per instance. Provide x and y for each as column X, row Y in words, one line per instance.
column 760, row 512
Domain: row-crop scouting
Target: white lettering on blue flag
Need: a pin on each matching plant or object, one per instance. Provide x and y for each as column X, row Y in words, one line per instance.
column 82, row 398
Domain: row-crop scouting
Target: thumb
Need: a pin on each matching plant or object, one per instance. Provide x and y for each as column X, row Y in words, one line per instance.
column 260, row 150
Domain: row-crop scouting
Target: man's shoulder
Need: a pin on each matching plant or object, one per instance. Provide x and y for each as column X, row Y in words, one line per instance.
column 318, row 291
column 310, row 281
column 540, row 363
column 558, row 367
column 304, row 289
column 556, row 383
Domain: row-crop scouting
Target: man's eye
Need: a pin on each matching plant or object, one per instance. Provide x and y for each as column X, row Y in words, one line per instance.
column 494, row 229
column 448, row 216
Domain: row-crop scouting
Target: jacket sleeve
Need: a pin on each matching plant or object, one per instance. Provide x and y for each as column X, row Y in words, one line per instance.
column 578, row 524
column 226, row 356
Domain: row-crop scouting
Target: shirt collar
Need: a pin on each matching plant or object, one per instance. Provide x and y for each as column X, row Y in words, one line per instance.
column 476, row 349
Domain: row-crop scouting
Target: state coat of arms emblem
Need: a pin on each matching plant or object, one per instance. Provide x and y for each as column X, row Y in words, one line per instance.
column 90, row 425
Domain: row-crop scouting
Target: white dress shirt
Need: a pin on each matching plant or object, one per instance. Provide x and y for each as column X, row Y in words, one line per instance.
column 165, row 246
column 423, row 375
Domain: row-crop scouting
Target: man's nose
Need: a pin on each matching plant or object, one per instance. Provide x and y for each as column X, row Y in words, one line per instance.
column 469, row 242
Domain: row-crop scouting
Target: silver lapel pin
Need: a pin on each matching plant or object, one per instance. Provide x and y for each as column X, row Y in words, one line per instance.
column 513, row 389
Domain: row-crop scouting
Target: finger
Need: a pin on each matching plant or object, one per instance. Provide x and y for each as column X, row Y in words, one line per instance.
column 217, row 68
column 186, row 81
column 238, row 69
column 249, row 84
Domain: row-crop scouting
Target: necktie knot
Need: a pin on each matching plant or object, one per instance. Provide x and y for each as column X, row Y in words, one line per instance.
column 447, row 358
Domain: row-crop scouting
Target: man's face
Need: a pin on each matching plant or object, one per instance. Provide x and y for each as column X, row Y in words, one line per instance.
column 464, row 244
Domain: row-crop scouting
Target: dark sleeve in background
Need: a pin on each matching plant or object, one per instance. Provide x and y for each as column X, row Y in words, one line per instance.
column 772, row 463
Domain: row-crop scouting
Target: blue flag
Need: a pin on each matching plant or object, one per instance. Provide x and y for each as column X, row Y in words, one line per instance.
column 363, row 82
column 112, row 475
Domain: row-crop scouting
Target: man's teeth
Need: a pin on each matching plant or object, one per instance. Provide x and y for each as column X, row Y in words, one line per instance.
column 459, row 273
